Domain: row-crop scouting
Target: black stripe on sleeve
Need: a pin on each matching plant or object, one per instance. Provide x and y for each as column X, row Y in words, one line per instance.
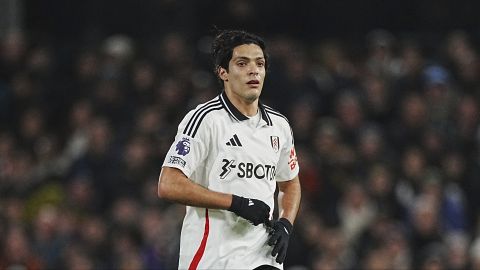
column 198, row 111
column 203, row 116
column 194, row 119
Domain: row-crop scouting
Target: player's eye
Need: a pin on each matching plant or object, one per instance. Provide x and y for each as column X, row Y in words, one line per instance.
column 241, row 64
column 260, row 64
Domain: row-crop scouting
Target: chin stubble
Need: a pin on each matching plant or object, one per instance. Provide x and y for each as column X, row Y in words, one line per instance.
column 252, row 98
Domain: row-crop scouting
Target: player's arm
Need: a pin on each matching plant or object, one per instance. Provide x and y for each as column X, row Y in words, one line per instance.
column 289, row 201
column 289, row 198
column 175, row 186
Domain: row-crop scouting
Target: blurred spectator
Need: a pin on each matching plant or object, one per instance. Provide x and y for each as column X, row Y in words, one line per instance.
column 377, row 259
column 456, row 250
column 17, row 252
column 356, row 212
column 381, row 59
column 378, row 99
column 381, row 190
column 466, row 120
column 474, row 253
column 303, row 117
column 350, row 114
column 411, row 121
column 371, row 149
column 463, row 59
column 412, row 169
column 425, row 234
column 13, row 48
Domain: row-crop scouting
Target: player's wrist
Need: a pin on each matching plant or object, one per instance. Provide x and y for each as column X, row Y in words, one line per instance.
column 287, row 224
column 236, row 203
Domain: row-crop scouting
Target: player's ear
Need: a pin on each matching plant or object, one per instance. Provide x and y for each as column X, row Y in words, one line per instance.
column 222, row 73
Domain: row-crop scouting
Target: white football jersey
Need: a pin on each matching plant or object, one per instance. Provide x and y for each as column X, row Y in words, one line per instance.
column 216, row 148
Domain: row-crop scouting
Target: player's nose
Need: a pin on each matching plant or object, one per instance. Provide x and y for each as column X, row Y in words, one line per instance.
column 253, row 69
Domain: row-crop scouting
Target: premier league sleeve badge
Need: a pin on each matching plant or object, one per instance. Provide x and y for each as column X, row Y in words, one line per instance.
column 183, row 147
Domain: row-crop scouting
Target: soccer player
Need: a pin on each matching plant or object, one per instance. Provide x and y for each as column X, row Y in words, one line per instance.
column 227, row 158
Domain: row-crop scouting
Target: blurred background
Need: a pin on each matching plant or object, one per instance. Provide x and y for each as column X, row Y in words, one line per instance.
column 383, row 98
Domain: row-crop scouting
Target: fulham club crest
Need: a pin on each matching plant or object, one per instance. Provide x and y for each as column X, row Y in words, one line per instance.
column 274, row 140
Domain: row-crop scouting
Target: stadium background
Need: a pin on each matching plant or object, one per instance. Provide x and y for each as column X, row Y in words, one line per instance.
column 383, row 98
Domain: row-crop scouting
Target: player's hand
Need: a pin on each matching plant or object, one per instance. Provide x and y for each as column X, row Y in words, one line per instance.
column 253, row 210
column 279, row 236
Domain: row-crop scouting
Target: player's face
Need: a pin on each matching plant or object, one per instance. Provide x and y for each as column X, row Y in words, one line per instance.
column 246, row 72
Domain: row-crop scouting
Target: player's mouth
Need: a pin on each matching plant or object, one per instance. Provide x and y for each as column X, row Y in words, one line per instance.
column 254, row 83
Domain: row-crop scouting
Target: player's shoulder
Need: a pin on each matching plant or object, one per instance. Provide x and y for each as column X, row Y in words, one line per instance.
column 200, row 115
column 276, row 116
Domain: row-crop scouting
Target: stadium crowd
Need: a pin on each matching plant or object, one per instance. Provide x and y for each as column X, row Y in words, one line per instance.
column 386, row 130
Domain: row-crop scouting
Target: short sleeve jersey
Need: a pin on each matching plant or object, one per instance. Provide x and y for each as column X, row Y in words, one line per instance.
column 215, row 148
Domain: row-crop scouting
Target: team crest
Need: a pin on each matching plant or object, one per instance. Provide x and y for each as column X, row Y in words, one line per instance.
column 183, row 147
column 275, row 142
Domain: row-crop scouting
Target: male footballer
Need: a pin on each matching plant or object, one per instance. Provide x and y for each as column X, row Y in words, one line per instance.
column 227, row 158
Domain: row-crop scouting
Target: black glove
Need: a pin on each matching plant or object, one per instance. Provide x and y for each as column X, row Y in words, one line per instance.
column 253, row 210
column 280, row 235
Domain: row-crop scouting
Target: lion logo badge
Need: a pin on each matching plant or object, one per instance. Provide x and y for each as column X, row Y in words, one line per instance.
column 183, row 147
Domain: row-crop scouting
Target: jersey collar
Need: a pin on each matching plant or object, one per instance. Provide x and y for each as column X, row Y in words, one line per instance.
column 237, row 115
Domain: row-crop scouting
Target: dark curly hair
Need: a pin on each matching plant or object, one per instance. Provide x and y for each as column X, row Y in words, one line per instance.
column 226, row 40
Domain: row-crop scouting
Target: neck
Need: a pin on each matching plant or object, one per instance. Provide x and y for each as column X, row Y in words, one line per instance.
column 246, row 107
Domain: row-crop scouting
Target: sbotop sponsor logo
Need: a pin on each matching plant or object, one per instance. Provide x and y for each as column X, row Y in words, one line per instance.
column 247, row 170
